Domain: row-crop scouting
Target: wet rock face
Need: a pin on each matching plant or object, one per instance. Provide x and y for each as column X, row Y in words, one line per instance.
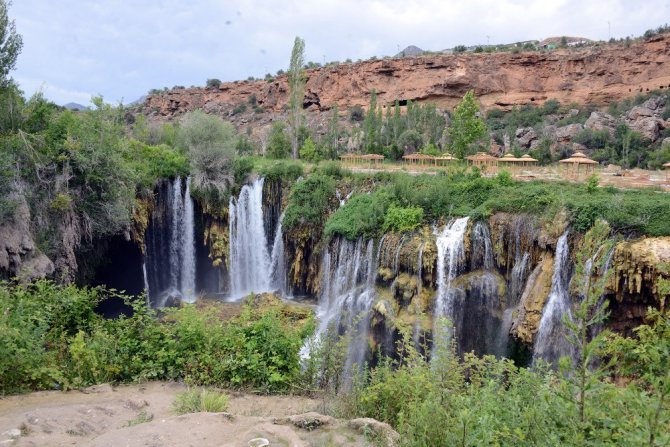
column 641, row 267
column 500, row 79
column 19, row 255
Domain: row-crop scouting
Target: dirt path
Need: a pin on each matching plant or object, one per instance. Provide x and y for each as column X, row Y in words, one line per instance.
column 103, row 416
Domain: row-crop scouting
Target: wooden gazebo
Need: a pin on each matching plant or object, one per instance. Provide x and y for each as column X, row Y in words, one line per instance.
column 483, row 161
column 417, row 159
column 509, row 161
column 667, row 172
column 444, row 159
column 527, row 160
column 373, row 159
column 577, row 165
column 349, row 158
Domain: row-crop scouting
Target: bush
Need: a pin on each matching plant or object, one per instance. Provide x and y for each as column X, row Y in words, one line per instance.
column 356, row 114
column 279, row 144
column 309, row 202
column 308, row 151
column 51, row 338
column 282, row 171
column 241, row 169
column 362, row 215
column 402, row 219
column 196, row 401
column 213, row 83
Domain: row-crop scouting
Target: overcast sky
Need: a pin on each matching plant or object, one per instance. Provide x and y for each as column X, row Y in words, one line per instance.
column 122, row 48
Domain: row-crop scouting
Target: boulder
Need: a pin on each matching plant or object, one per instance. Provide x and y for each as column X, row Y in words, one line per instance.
column 600, row 121
column 649, row 127
column 306, row 421
column 566, row 133
column 383, row 431
column 525, row 136
column 639, row 112
column 654, row 103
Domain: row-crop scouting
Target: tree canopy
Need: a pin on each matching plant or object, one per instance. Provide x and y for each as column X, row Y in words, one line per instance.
column 466, row 125
column 11, row 44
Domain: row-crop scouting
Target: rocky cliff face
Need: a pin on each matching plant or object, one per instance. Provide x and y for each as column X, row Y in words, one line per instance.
column 591, row 76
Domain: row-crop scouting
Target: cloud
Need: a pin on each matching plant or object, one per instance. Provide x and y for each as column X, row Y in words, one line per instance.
column 123, row 49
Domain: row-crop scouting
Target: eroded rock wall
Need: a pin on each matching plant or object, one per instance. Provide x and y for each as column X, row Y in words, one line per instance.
column 590, row 76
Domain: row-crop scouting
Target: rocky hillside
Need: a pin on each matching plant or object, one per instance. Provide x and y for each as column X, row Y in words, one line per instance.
column 595, row 76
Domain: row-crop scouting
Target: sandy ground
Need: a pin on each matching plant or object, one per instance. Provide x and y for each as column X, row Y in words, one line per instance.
column 103, row 416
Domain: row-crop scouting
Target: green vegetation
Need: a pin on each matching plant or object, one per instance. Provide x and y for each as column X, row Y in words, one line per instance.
column 466, row 125
column 210, row 143
column 402, row 219
column 11, row 44
column 459, row 194
column 308, row 202
column 362, row 215
column 52, row 338
column 296, row 84
column 200, row 400
column 279, row 143
column 474, row 400
column 141, row 418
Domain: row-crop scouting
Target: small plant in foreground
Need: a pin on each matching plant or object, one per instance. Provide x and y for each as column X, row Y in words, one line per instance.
column 200, row 400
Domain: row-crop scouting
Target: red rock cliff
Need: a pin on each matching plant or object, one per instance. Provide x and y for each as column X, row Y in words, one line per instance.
column 595, row 75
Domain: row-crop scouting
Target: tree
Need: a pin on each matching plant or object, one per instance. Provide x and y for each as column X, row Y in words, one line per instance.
column 296, row 84
column 210, row 143
column 279, row 143
column 308, row 151
column 582, row 381
column 332, row 137
column 466, row 125
column 10, row 44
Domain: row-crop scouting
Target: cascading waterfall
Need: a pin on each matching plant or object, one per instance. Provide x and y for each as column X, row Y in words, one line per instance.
column 551, row 342
column 278, row 267
column 169, row 267
column 349, row 271
column 450, row 259
column 482, row 250
column 253, row 267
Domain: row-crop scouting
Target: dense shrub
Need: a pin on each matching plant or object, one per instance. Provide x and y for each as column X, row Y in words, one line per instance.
column 282, row 170
column 309, row 201
column 52, row 338
column 362, row 215
column 402, row 219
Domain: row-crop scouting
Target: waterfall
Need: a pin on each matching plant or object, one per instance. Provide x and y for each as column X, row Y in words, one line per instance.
column 482, row 251
column 551, row 342
column 254, row 267
column 349, row 271
column 169, row 267
column 450, row 258
column 278, row 267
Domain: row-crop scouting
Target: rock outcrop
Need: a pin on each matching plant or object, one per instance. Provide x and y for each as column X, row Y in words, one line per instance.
column 19, row 255
column 596, row 76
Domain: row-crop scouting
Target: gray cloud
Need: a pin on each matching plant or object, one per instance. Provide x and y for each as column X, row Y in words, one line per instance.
column 121, row 49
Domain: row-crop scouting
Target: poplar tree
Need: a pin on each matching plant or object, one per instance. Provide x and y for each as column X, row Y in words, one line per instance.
column 296, row 84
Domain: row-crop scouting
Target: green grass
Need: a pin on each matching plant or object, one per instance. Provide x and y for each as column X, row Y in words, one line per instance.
column 200, row 400
column 458, row 194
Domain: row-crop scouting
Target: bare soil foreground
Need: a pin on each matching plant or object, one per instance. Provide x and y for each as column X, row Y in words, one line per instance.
column 106, row 416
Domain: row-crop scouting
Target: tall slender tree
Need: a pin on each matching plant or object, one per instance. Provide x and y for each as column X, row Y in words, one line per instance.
column 10, row 44
column 296, row 84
